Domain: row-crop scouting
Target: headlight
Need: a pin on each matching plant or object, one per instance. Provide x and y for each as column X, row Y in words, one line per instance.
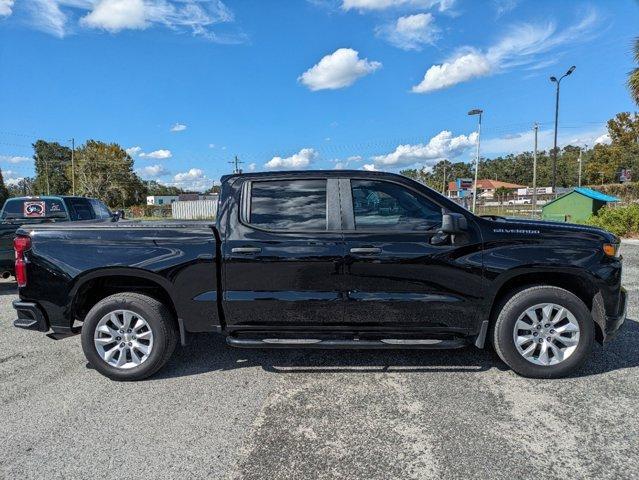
column 611, row 249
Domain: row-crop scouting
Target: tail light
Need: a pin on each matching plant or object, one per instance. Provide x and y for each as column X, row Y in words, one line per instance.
column 21, row 244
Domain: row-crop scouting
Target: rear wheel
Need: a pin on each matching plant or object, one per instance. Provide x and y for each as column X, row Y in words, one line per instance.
column 128, row 336
column 544, row 332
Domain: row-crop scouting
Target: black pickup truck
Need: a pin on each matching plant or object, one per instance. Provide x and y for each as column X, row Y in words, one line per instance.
column 318, row 259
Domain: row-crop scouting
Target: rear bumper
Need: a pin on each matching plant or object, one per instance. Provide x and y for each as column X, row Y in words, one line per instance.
column 30, row 317
column 614, row 322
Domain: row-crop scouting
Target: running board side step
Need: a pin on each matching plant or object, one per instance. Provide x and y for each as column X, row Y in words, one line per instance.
column 383, row 344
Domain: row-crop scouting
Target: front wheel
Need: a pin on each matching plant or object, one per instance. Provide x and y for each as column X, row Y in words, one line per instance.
column 128, row 336
column 544, row 332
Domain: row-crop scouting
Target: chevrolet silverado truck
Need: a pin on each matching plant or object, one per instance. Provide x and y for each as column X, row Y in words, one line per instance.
column 318, row 259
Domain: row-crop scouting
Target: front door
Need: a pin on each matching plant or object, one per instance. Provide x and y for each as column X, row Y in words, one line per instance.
column 283, row 256
column 399, row 270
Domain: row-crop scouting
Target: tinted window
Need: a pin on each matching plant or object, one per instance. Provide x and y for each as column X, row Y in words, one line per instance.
column 100, row 209
column 289, row 205
column 385, row 205
column 17, row 208
column 81, row 209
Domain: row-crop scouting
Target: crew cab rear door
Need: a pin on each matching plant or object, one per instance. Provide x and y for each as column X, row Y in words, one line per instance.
column 399, row 270
column 282, row 254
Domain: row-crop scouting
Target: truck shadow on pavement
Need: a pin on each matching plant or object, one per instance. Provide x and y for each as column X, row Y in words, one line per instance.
column 209, row 352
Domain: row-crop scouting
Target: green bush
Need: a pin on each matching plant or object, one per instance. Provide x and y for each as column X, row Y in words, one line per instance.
column 623, row 221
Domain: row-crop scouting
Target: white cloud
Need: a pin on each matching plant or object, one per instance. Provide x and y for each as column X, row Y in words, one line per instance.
column 410, row 32
column 459, row 69
column 11, row 178
column 178, row 127
column 211, row 145
column 6, row 7
column 524, row 141
column 441, row 146
column 338, row 70
column 198, row 16
column 116, row 15
column 133, row 151
column 252, row 167
column 502, row 7
column 15, row 159
column 158, row 154
column 363, row 5
column 153, row 171
column 369, row 167
column 193, row 179
column 47, row 17
column 344, row 164
column 603, row 139
column 523, row 46
column 298, row 161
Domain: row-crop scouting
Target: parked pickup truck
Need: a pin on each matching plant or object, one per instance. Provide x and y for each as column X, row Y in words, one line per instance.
column 317, row 259
column 31, row 210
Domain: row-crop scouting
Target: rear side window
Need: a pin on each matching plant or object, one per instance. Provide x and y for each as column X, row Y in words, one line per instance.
column 80, row 209
column 100, row 209
column 33, row 208
column 288, row 205
column 384, row 205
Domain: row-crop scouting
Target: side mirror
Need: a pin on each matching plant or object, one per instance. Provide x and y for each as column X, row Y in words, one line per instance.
column 454, row 223
column 117, row 215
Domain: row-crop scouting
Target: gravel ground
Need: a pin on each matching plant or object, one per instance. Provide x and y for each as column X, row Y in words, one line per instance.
column 217, row 412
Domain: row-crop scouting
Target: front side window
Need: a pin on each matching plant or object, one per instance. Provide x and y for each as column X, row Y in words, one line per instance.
column 100, row 209
column 383, row 205
column 81, row 209
column 288, row 205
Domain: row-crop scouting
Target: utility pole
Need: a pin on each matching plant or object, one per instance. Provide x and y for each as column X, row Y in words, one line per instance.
column 236, row 165
column 73, row 166
column 444, row 182
column 46, row 169
column 581, row 163
column 534, row 199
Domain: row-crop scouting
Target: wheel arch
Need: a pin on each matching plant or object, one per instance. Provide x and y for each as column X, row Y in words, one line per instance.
column 576, row 282
column 95, row 285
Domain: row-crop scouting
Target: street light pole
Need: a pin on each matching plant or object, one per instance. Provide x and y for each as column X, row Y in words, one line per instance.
column 479, row 112
column 554, row 150
column 534, row 199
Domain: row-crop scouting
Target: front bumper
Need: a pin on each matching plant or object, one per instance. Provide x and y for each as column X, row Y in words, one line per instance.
column 614, row 322
column 30, row 317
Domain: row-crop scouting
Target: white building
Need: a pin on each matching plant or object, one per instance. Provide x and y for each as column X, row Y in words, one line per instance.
column 161, row 199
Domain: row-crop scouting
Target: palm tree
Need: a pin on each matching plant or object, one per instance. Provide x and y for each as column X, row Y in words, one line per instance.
column 633, row 78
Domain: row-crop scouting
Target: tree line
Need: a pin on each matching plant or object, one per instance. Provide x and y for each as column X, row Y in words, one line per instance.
column 97, row 169
column 601, row 164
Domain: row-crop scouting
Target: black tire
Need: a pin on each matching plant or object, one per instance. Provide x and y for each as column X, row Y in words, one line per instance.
column 160, row 321
column 518, row 303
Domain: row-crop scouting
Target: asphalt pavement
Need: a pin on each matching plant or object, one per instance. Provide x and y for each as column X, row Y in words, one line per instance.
column 216, row 412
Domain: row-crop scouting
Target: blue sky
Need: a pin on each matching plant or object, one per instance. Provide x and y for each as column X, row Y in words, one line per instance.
column 384, row 84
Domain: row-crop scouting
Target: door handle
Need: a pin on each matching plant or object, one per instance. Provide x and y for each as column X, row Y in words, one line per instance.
column 246, row 250
column 366, row 250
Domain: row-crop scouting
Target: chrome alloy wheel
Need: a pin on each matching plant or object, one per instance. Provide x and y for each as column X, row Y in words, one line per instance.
column 123, row 339
column 546, row 334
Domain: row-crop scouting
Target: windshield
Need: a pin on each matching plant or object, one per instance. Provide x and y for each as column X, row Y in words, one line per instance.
column 33, row 208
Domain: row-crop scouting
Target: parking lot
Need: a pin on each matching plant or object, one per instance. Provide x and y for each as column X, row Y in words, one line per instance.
column 218, row 412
